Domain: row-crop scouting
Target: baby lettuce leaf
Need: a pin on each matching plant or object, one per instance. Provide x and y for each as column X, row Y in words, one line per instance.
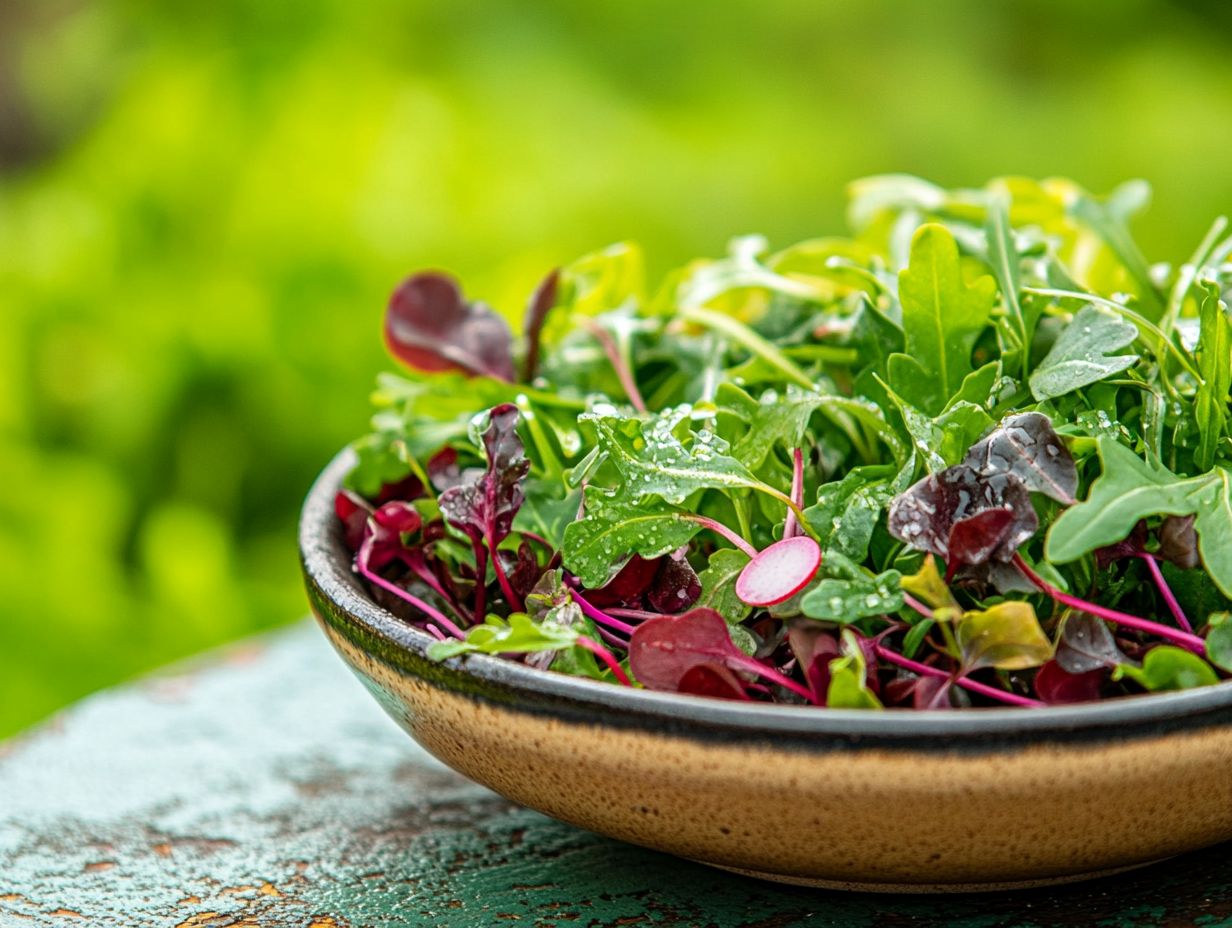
column 1083, row 354
column 431, row 328
column 1026, row 446
column 942, row 318
column 614, row 529
column 662, row 651
column 1129, row 489
column 719, row 584
column 847, row 600
column 483, row 506
column 1055, row 685
column 1087, row 644
column 1007, row 636
column 1215, row 365
column 1168, row 668
column 519, row 635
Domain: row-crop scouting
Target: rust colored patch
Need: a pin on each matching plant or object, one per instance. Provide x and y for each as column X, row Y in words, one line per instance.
column 326, row 921
column 99, row 866
column 65, row 913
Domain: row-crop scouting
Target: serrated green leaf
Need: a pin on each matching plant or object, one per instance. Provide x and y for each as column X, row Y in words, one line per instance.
column 942, row 318
column 849, row 600
column 519, row 635
column 612, row 531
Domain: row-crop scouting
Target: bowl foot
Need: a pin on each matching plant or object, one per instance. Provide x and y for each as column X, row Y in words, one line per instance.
column 857, row 886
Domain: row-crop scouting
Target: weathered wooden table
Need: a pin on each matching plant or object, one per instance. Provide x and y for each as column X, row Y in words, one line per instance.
column 262, row 787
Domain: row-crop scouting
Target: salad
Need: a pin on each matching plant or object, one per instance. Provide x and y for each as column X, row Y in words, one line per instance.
column 975, row 454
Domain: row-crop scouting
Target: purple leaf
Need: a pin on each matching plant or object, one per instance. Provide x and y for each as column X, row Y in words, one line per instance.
column 926, row 515
column 712, row 680
column 1026, row 446
column 541, row 303
column 628, row 586
column 484, row 504
column 662, row 651
column 522, row 568
column 779, row 572
column 430, row 327
column 443, row 470
column 1087, row 644
column 1178, row 542
column 1132, row 545
column 353, row 510
column 406, row 489
column 383, row 535
column 1055, row 685
column 814, row 647
column 676, row 585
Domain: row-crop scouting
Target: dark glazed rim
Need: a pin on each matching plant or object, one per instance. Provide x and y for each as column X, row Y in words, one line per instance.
column 341, row 602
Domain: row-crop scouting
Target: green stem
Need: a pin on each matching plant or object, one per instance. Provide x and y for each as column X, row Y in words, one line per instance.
column 740, row 333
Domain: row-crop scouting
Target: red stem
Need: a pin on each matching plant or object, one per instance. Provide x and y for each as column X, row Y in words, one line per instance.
column 601, row 617
column 974, row 686
column 606, row 656
column 481, row 580
column 627, row 383
column 721, row 529
column 514, row 600
column 917, row 606
column 424, row 573
column 1184, row 639
column 1166, row 592
column 769, row 673
column 430, row 611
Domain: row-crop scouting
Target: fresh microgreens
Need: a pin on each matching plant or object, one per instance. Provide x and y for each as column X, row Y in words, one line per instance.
column 978, row 454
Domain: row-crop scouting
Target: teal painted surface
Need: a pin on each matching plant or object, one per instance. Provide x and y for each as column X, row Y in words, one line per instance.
column 262, row 787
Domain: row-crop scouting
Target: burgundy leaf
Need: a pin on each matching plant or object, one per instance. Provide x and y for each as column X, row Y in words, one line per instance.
column 925, row 515
column 1026, row 446
column 663, row 650
column 1087, row 644
column 541, row 303
column 406, row 489
column 430, row 327
column 383, row 535
column 443, row 470
column 523, row 569
column 713, row 680
column 484, row 505
column 814, row 647
column 1055, row 685
column 974, row 540
column 676, row 585
column 1132, row 545
column 628, row 586
column 353, row 510
column 1178, row 542
column 931, row 692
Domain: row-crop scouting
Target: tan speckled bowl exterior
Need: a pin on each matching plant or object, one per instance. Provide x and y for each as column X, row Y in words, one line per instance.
column 890, row 801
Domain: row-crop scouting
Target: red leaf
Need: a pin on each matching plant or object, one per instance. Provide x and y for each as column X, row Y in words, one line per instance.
column 676, row 585
column 430, row 327
column 711, row 680
column 484, row 505
column 541, row 303
column 1054, row 685
column 663, row 650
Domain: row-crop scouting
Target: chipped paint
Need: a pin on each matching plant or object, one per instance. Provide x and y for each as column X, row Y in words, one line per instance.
column 270, row 792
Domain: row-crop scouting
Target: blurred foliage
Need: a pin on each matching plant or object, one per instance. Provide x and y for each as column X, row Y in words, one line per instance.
column 204, row 205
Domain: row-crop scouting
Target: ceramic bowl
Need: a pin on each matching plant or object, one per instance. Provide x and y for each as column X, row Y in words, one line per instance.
column 896, row 800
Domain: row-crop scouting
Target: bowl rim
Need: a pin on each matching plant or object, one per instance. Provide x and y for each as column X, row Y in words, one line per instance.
column 327, row 569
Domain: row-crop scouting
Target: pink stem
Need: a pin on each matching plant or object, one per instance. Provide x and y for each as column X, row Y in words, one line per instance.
column 1184, row 639
column 769, row 673
column 537, row 539
column 435, row 632
column 791, row 528
column 627, row 383
column 640, row 614
column 611, row 637
column 601, row 617
column 1166, row 592
column 721, row 529
column 606, row 656
column 917, row 606
column 430, row 611
column 424, row 573
column 514, row 600
column 974, row 686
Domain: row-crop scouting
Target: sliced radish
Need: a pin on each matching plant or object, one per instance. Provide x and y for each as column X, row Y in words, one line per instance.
column 779, row 572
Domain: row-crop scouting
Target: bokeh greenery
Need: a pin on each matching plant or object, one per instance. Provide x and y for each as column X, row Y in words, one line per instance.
column 204, row 205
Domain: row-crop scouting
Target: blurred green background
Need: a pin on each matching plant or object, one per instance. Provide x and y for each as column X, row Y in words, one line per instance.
column 203, row 207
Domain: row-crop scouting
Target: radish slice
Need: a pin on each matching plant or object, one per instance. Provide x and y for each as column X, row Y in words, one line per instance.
column 779, row 572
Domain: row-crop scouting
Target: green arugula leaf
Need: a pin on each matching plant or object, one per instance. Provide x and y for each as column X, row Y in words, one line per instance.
column 719, row 585
column 1215, row 364
column 1130, row 489
column 651, row 460
column 942, row 318
column 1168, row 668
column 1083, row 354
column 614, row 530
column 1007, row 636
column 848, row 510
